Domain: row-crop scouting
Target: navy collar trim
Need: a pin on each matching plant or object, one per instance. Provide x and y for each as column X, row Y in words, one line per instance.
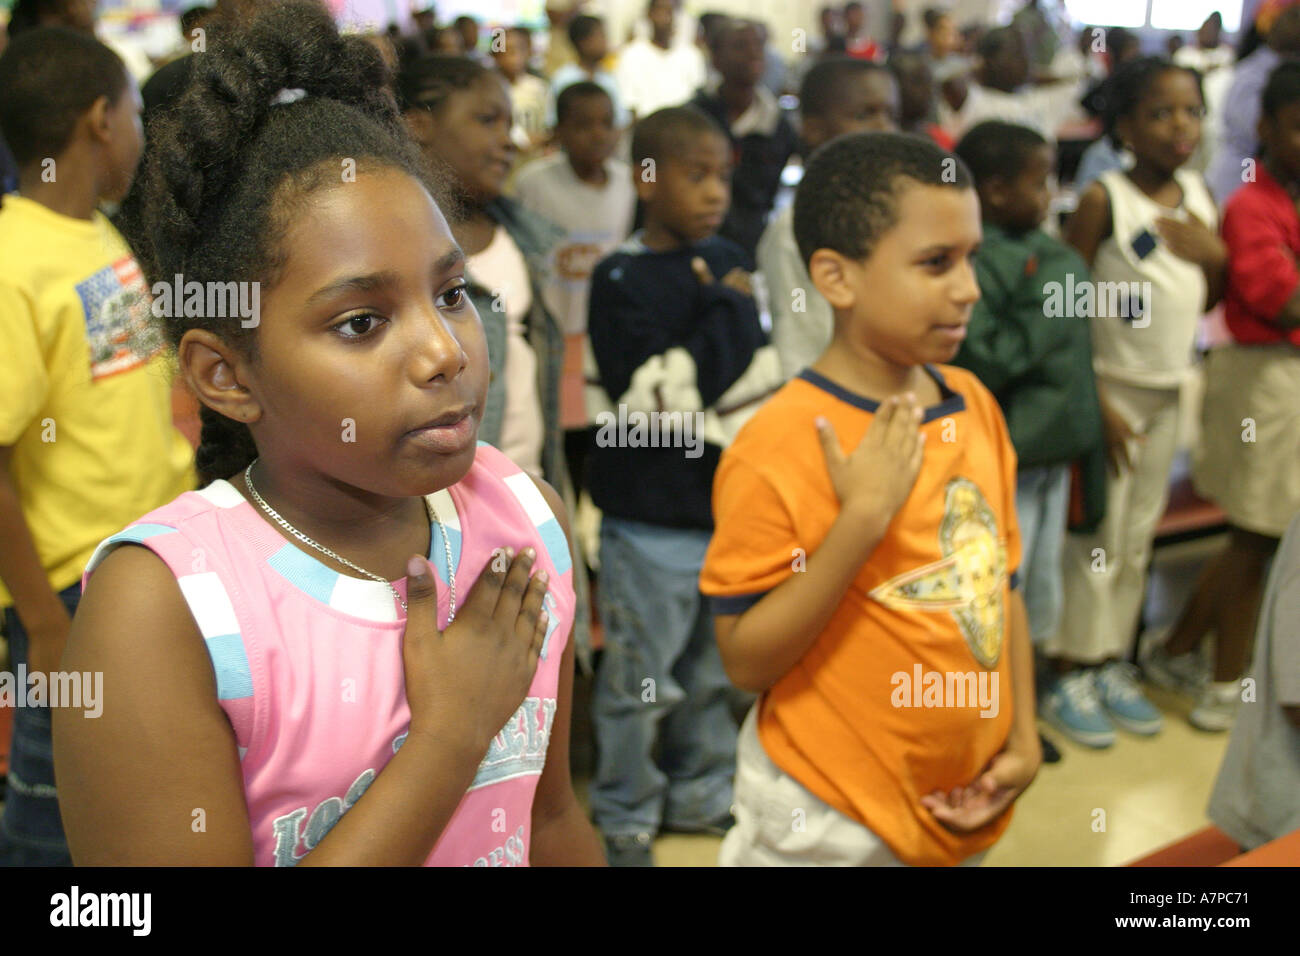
column 950, row 402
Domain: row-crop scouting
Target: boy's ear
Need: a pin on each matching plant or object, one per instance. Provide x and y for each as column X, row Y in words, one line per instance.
column 831, row 275
column 98, row 123
column 814, row 132
column 213, row 370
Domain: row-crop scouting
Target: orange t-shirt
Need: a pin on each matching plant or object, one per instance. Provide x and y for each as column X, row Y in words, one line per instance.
column 886, row 705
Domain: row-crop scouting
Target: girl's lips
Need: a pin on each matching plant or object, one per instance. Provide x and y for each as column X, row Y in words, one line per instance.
column 446, row 439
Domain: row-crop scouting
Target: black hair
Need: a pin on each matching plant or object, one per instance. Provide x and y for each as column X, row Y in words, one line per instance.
column 820, row 86
column 228, row 165
column 997, row 150
column 995, row 41
column 1282, row 88
column 583, row 26
column 462, row 20
column 1127, row 85
column 576, row 91
column 1120, row 40
column 28, row 14
column 49, row 78
column 191, row 17
column 933, row 16
column 667, row 131
column 853, row 5
column 848, row 197
column 428, row 80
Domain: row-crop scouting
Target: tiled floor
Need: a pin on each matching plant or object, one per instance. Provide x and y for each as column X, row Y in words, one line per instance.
column 1094, row 808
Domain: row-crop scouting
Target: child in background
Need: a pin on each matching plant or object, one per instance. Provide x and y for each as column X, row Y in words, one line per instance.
column 399, row 710
column 669, row 341
column 1035, row 362
column 999, row 91
column 459, row 114
column 1256, row 798
column 867, row 545
column 762, row 139
column 528, row 93
column 590, row 195
column 917, row 101
column 840, row 94
column 587, row 36
column 86, row 437
column 1148, row 229
column 1249, row 469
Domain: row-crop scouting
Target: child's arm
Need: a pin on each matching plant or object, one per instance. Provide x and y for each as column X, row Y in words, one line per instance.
column 759, row 646
column 44, row 617
column 1261, row 266
column 562, row 835
column 646, row 368
column 1090, row 223
column 155, row 779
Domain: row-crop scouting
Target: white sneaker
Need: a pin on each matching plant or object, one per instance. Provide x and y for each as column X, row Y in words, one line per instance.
column 1217, row 706
column 1181, row 673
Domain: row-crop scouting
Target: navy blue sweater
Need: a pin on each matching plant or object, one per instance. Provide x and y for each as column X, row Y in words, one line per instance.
column 645, row 304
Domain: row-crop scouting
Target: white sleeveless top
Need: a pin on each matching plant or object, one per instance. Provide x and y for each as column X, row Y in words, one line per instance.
column 1146, row 334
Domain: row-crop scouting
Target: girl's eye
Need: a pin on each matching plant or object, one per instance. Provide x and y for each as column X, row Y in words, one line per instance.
column 357, row 326
column 936, row 262
column 454, row 299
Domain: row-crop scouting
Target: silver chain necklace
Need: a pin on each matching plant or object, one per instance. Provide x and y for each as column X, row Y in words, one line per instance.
column 428, row 506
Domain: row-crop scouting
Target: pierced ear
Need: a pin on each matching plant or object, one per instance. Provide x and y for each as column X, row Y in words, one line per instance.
column 215, row 373
column 831, row 274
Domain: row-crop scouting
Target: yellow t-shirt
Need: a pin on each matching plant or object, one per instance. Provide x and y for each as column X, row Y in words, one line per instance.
column 85, row 396
column 908, row 688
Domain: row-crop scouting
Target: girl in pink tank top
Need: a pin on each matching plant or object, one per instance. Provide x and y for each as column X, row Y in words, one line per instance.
column 352, row 645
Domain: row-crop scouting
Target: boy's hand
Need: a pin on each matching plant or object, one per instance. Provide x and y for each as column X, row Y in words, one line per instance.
column 737, row 279
column 967, row 809
column 1193, row 240
column 873, row 482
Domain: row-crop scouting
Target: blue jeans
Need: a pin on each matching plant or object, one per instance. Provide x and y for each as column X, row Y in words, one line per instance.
column 31, row 831
column 660, row 673
column 1042, row 503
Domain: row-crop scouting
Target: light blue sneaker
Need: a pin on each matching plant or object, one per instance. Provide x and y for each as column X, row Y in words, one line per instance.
column 1070, row 704
column 1121, row 695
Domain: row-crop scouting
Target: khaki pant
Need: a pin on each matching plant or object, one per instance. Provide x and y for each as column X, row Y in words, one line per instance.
column 781, row 823
column 1106, row 572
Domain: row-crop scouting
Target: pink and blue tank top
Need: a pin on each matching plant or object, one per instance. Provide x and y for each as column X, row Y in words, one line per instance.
column 308, row 661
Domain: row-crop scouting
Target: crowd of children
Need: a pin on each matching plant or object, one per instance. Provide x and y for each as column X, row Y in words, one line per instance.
column 883, row 463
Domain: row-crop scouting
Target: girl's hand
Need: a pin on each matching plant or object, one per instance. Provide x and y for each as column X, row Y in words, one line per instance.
column 873, row 482
column 1193, row 240
column 1119, row 436
column 470, row 678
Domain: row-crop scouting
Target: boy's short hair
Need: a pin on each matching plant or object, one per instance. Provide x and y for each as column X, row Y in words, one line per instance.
column 818, row 90
column 668, row 131
column 995, row 41
column 583, row 26
column 994, row 149
column 576, row 91
column 933, row 16
column 1282, row 88
column 848, row 197
column 49, row 77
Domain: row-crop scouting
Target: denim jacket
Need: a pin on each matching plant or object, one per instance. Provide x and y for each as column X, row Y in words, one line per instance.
column 535, row 237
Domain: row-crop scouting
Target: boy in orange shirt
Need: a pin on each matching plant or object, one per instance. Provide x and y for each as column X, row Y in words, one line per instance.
column 863, row 565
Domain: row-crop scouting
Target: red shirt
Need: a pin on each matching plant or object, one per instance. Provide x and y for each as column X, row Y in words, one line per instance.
column 1262, row 230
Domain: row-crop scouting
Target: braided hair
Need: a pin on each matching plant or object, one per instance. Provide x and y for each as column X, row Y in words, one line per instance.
column 232, row 161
